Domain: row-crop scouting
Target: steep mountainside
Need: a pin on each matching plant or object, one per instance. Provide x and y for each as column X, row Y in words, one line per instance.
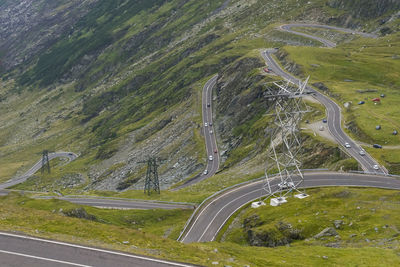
column 118, row 81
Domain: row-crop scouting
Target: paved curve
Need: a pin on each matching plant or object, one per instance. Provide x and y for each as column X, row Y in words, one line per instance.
column 209, row 135
column 69, row 155
column 287, row 28
column 209, row 220
column 333, row 110
column 41, row 252
column 214, row 214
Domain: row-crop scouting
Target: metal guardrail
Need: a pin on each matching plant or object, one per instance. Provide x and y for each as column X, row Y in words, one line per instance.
column 375, row 173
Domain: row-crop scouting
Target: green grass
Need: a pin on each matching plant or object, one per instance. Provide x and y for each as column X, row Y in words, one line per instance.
column 37, row 218
column 372, row 215
column 369, row 68
column 369, row 64
column 164, row 223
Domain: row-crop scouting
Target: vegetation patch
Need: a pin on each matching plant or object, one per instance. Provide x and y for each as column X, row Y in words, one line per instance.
column 332, row 217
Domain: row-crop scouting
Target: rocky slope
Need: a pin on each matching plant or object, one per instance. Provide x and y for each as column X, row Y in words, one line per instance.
column 118, row 81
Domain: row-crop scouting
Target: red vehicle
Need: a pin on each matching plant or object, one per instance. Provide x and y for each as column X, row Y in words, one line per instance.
column 215, row 151
column 377, row 99
column 267, row 70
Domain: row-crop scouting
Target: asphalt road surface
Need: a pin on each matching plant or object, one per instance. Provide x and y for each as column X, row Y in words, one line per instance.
column 209, row 135
column 327, row 43
column 214, row 214
column 69, row 155
column 16, row 250
column 332, row 109
column 114, row 203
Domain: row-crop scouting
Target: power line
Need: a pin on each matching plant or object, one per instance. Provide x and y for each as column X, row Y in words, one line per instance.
column 289, row 109
column 45, row 161
column 152, row 183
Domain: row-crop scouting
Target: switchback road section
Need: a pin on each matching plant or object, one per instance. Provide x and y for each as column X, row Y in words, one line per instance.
column 332, row 109
column 69, row 155
column 209, row 135
column 213, row 214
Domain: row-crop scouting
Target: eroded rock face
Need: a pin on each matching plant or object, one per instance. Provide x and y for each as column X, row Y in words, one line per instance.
column 79, row 213
column 239, row 98
column 282, row 234
column 35, row 25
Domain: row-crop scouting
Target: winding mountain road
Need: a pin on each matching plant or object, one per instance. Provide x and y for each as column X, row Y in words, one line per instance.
column 209, row 136
column 213, row 215
column 120, row 203
column 69, row 155
column 332, row 109
column 210, row 216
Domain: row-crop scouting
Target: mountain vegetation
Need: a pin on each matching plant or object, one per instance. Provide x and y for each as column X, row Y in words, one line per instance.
column 119, row 81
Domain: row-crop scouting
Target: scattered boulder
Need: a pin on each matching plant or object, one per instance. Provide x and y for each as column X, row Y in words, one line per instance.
column 280, row 235
column 333, row 245
column 329, row 231
column 338, row 224
column 79, row 213
column 321, row 86
column 251, row 222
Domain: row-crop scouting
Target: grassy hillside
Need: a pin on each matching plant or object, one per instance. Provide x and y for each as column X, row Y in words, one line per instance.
column 357, row 218
column 124, row 81
column 114, row 230
column 363, row 69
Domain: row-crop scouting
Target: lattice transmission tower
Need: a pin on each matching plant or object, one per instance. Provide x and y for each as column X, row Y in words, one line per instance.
column 45, row 162
column 285, row 147
column 152, row 183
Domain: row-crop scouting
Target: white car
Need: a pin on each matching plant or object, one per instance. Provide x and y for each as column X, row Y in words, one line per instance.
column 211, row 131
column 205, row 172
column 206, row 124
column 347, row 145
column 362, row 152
column 210, row 157
column 285, row 185
column 376, row 167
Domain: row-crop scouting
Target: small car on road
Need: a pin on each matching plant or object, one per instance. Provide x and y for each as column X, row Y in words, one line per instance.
column 347, row 145
column 205, row 172
column 362, row 152
column 208, row 105
column 210, row 157
column 376, row 167
column 215, row 151
column 205, row 124
column 211, row 131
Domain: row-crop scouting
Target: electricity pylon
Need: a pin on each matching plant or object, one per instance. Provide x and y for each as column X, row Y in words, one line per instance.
column 152, row 183
column 285, row 147
column 45, row 161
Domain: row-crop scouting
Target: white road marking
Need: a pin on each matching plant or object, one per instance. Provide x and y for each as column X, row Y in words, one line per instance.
column 224, row 194
column 97, row 250
column 227, row 204
column 43, row 259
